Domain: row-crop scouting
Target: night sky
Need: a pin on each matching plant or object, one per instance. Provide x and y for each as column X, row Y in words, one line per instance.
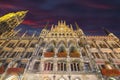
column 91, row 15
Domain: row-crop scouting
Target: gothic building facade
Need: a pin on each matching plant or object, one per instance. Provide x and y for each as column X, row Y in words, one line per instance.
column 59, row 53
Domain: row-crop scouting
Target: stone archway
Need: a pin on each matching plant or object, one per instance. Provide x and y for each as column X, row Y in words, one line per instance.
column 12, row 77
column 46, row 78
column 62, row 78
column 111, row 78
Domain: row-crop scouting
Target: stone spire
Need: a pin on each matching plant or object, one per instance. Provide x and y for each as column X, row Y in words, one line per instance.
column 46, row 26
column 77, row 26
column 106, row 31
column 52, row 27
column 24, row 34
column 71, row 27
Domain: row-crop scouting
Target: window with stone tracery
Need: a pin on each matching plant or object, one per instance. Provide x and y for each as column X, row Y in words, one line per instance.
column 75, row 66
column 48, row 66
column 62, row 66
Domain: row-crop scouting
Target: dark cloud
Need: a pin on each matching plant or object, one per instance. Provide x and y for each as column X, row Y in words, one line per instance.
column 91, row 15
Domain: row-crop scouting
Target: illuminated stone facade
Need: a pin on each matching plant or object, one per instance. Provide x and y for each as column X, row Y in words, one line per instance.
column 10, row 21
column 62, row 53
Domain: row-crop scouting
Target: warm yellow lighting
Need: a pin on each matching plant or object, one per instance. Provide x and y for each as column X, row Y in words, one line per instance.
column 12, row 77
column 7, row 16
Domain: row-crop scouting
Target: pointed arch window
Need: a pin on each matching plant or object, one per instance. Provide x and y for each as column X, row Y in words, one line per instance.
column 48, row 66
column 75, row 66
column 62, row 66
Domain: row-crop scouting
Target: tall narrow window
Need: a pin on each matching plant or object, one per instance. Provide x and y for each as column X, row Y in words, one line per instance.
column 10, row 45
column 87, row 66
column 111, row 55
column 97, row 55
column 28, row 55
column 48, row 66
column 62, row 66
column 36, row 66
column 5, row 53
column 83, row 54
column 22, row 65
column 22, row 45
column 118, row 66
column 75, row 66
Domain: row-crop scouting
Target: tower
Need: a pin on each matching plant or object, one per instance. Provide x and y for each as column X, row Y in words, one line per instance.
column 10, row 21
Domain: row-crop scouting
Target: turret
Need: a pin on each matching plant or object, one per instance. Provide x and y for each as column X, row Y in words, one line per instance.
column 78, row 30
column 10, row 21
column 44, row 31
column 108, row 33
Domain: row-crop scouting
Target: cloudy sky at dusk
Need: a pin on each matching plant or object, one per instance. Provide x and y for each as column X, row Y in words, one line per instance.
column 91, row 15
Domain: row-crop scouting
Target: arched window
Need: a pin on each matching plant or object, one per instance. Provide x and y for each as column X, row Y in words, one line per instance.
column 75, row 66
column 48, row 66
column 74, row 52
column 62, row 52
column 12, row 77
column 62, row 66
column 36, row 66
